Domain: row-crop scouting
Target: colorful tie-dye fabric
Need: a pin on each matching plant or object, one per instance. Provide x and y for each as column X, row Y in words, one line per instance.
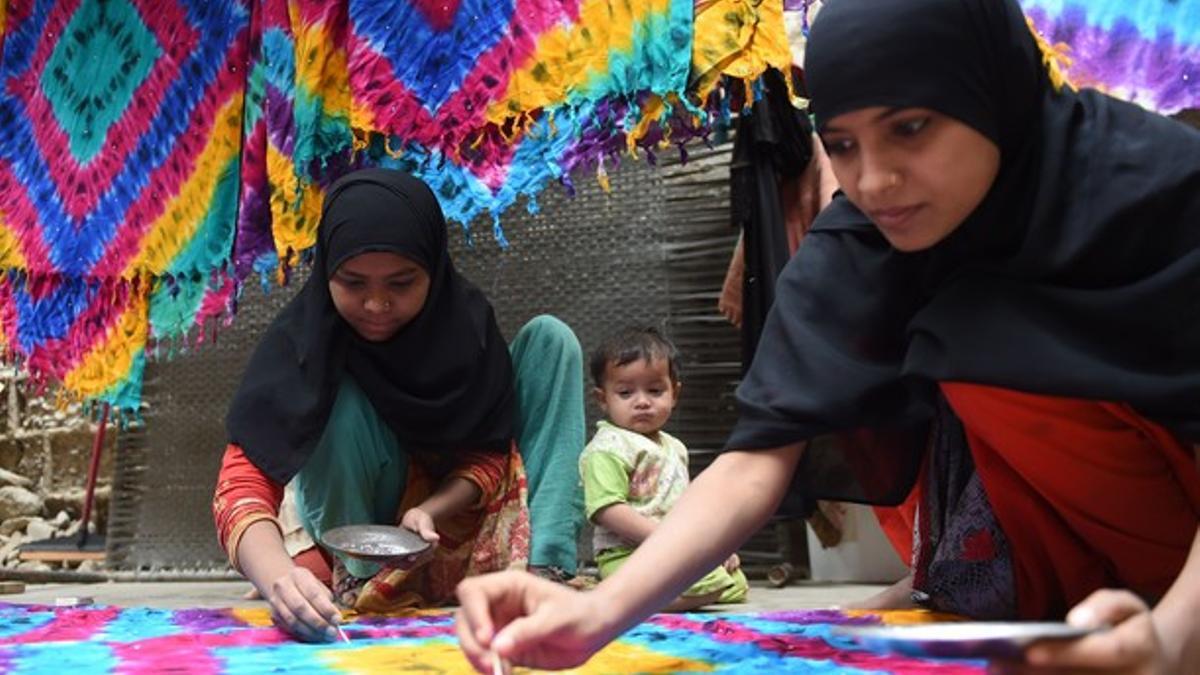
column 1146, row 51
column 37, row 639
column 155, row 155
column 118, row 169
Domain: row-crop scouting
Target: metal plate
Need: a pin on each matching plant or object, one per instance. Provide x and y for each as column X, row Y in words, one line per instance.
column 967, row 640
column 375, row 543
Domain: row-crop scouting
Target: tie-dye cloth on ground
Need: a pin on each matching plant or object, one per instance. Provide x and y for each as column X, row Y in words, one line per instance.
column 40, row 639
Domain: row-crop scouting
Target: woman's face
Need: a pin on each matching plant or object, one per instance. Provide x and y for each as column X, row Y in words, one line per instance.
column 378, row 293
column 915, row 172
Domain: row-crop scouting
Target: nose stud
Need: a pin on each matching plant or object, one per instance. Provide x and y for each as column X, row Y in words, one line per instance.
column 893, row 179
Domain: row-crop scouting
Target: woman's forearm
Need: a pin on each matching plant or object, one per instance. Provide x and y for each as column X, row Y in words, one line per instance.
column 726, row 504
column 262, row 556
column 1175, row 615
column 451, row 497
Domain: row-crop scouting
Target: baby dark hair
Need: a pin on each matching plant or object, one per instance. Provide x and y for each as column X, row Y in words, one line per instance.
column 634, row 344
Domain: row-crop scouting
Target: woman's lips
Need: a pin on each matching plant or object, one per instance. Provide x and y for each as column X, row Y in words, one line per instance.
column 894, row 218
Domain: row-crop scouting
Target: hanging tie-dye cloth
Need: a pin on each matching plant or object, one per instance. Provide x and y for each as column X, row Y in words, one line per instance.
column 156, row 154
column 120, row 138
column 1145, row 51
column 486, row 101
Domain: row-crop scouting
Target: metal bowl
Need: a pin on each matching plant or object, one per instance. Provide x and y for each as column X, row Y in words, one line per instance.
column 965, row 640
column 375, row 543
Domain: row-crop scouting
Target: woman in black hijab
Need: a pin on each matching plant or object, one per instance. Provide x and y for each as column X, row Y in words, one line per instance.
column 385, row 393
column 1013, row 265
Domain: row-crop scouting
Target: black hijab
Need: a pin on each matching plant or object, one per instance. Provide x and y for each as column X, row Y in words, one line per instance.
column 443, row 383
column 1078, row 275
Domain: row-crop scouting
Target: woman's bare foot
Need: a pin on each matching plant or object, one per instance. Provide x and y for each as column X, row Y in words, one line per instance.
column 896, row 596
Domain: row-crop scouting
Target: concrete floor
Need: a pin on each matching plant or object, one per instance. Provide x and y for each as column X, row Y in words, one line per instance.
column 212, row 594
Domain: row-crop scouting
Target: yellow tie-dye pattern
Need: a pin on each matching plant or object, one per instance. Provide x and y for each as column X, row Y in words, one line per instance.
column 652, row 110
column 439, row 657
column 619, row 657
column 361, row 117
column 738, row 38
column 293, row 221
column 111, row 358
column 1054, row 58
column 321, row 67
column 446, row 657
column 186, row 211
column 10, row 248
column 905, row 617
column 565, row 59
column 253, row 616
column 322, row 75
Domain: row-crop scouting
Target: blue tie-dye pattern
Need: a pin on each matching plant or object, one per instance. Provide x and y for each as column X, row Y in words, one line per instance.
column 56, row 658
column 1152, row 18
column 11, row 625
column 738, row 657
column 55, row 311
column 139, row 623
column 476, row 27
column 305, row 658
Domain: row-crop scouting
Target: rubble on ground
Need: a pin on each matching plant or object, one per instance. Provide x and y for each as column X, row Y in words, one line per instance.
column 27, row 516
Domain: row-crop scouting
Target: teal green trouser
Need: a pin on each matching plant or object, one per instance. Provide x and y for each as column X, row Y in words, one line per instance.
column 358, row 470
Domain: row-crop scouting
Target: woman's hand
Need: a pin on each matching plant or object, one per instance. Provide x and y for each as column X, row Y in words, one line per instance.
column 1132, row 645
column 527, row 621
column 417, row 520
column 303, row 606
column 533, row 622
column 300, row 604
column 420, row 522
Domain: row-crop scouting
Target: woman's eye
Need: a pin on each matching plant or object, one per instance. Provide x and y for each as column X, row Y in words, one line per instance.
column 912, row 127
column 400, row 285
column 838, row 146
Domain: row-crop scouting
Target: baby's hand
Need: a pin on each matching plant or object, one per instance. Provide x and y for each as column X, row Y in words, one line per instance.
column 732, row 563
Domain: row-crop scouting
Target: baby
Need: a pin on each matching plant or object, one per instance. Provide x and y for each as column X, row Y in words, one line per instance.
column 633, row 471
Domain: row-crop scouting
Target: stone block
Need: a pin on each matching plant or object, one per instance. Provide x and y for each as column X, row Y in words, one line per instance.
column 18, row 524
column 39, row 529
column 10, row 478
column 17, row 501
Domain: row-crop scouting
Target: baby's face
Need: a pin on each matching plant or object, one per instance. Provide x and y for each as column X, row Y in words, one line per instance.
column 639, row 395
